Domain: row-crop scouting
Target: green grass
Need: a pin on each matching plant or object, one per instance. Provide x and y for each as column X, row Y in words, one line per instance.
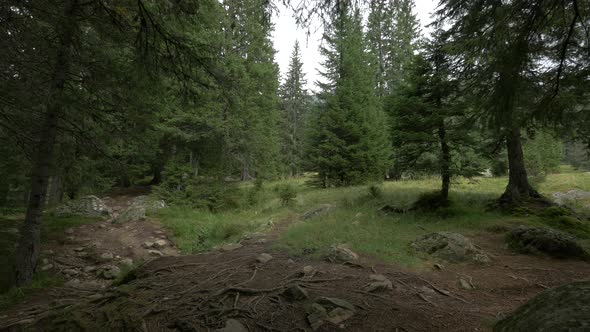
column 357, row 220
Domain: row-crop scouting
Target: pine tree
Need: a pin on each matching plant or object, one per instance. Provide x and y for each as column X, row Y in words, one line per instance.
column 349, row 142
column 524, row 62
column 295, row 105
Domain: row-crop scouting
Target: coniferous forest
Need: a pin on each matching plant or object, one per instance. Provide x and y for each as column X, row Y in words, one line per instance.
column 160, row 172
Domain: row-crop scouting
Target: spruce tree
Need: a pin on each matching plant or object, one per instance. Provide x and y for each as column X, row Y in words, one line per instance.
column 349, row 142
column 295, row 105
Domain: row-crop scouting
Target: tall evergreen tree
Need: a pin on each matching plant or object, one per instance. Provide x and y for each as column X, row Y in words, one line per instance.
column 525, row 62
column 295, row 105
column 349, row 143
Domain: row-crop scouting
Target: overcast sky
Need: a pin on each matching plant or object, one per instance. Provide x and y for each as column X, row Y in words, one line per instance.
column 286, row 32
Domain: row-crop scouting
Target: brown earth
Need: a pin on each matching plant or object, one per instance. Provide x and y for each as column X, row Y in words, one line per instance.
column 201, row 292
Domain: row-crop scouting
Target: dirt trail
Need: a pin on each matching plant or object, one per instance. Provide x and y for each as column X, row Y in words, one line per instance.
column 204, row 292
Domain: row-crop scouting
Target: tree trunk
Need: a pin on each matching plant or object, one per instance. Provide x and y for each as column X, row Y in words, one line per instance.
column 518, row 188
column 445, row 162
column 28, row 247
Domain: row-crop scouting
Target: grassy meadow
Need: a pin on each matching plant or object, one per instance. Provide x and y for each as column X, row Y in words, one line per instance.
column 357, row 221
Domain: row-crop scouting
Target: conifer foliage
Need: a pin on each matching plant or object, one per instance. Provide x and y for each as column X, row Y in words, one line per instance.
column 349, row 142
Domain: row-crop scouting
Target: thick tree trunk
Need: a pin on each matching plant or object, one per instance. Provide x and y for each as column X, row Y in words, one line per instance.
column 445, row 162
column 518, row 188
column 28, row 247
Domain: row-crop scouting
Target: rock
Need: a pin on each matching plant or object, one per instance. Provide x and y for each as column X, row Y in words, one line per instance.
column 155, row 253
column 70, row 272
column 89, row 269
column 160, row 243
column 72, row 283
column 79, row 249
column 231, row 247
column 334, row 302
column 108, row 272
column 139, row 208
column 263, row 258
column 563, row 198
column 452, row 247
column 378, row 283
column 69, row 231
column 147, row 244
column 47, row 267
column 465, row 284
column 534, row 240
column 565, row 308
column 342, row 254
column 439, row 266
column 107, row 256
column 290, row 261
column 316, row 316
column 309, row 271
column 295, row 293
column 260, row 241
column 102, row 226
column 127, row 262
column 339, row 315
column 95, row 296
column 45, row 261
column 326, row 309
column 88, row 206
column 320, row 210
column 233, row 325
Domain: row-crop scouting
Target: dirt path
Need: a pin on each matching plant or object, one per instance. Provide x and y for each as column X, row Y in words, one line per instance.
column 244, row 288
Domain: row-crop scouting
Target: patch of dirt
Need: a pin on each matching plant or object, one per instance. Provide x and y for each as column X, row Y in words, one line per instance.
column 81, row 252
column 202, row 292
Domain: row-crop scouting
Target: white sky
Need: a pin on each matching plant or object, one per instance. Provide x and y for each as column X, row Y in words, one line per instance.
column 286, row 32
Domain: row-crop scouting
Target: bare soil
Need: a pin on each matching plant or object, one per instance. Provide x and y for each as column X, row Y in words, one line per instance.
column 201, row 292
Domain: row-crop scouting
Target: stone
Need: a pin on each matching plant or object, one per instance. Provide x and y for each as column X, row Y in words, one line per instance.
column 334, row 302
column 45, row 261
column 379, row 282
column 439, row 266
column 535, row 240
column 263, row 258
column 109, row 272
column 564, row 308
column 155, row 253
column 309, row 271
column 160, row 243
column 465, row 284
column 88, row 206
column 295, row 293
column 231, row 247
column 317, row 211
column 451, row 247
column 316, row 316
column 89, row 269
column 342, row 253
column 70, row 272
column 47, row 267
column 233, row 325
column 339, row 315
column 564, row 198
column 107, row 256
column 147, row 244
column 79, row 249
column 102, row 226
column 72, row 283
column 327, row 309
column 69, row 231
column 95, row 296
column 139, row 209
column 290, row 261
column 261, row 241
column 127, row 262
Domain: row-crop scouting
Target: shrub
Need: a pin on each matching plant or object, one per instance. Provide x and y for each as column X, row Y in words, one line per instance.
column 375, row 190
column 287, row 193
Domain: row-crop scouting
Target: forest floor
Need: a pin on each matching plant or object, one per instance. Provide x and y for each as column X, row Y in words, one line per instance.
column 205, row 291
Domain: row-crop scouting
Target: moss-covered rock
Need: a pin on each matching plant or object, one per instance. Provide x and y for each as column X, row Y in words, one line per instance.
column 565, row 308
column 536, row 240
column 452, row 247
